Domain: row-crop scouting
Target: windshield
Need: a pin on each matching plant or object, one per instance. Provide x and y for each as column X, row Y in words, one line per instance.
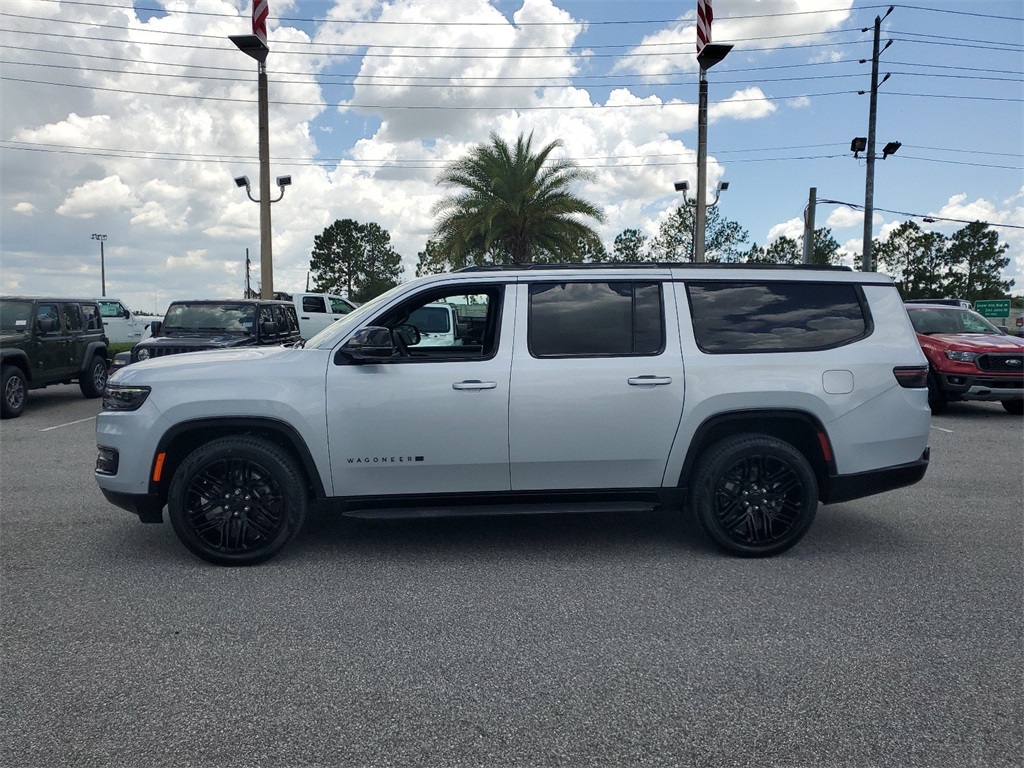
column 329, row 336
column 232, row 318
column 934, row 320
column 15, row 315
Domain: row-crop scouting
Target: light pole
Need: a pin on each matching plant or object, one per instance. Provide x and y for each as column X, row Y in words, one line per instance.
column 684, row 186
column 103, row 267
column 710, row 54
column 253, row 46
column 866, row 144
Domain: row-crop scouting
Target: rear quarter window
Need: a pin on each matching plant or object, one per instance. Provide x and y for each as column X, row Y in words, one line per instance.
column 730, row 318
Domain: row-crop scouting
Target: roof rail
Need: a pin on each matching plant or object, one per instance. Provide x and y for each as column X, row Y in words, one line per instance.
column 654, row 265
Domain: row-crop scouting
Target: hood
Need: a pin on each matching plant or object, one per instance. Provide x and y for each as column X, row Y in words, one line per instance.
column 210, row 340
column 979, row 342
column 213, row 363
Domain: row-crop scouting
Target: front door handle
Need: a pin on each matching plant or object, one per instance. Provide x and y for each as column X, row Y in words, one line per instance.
column 649, row 381
column 473, row 385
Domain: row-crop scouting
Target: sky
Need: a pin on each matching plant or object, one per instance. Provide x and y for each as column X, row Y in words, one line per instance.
column 132, row 120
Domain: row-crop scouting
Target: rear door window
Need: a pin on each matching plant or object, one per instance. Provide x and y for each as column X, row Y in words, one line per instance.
column 596, row 319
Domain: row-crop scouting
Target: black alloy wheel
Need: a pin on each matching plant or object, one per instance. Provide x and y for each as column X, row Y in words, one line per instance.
column 15, row 392
column 237, row 500
column 755, row 495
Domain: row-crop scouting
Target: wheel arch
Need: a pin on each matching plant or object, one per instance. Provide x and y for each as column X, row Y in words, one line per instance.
column 802, row 430
column 17, row 358
column 181, row 439
column 94, row 348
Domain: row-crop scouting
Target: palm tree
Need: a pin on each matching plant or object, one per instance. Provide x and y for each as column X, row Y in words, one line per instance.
column 513, row 205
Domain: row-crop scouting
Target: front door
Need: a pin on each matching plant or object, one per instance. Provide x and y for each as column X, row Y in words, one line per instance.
column 434, row 419
column 51, row 345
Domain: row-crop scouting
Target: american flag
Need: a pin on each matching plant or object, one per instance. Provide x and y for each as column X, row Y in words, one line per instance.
column 704, row 17
column 260, row 11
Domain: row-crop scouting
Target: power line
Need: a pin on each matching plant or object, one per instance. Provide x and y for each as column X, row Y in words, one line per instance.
column 958, row 13
column 857, row 207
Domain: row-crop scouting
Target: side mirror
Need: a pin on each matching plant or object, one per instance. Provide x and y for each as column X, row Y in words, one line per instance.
column 48, row 325
column 369, row 345
column 126, row 313
column 268, row 328
column 408, row 333
column 155, row 326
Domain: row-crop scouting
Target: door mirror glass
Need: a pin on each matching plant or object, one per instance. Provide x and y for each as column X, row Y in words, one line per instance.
column 369, row 345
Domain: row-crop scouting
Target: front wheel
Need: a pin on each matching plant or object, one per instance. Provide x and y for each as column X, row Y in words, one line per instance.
column 755, row 495
column 15, row 395
column 237, row 500
column 1016, row 407
column 93, row 380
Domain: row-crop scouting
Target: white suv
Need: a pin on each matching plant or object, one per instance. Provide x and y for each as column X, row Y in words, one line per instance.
column 747, row 394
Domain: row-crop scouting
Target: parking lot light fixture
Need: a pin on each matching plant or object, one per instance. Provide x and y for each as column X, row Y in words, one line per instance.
column 103, row 266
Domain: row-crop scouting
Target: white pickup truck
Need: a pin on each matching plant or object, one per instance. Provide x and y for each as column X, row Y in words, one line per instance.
column 121, row 325
column 316, row 310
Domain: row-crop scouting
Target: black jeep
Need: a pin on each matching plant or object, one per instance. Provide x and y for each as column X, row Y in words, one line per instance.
column 46, row 341
column 194, row 326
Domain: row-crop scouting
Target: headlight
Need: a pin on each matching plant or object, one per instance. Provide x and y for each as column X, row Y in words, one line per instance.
column 116, row 398
column 961, row 357
column 143, row 354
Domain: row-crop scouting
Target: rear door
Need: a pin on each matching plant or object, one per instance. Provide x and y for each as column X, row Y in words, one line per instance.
column 597, row 384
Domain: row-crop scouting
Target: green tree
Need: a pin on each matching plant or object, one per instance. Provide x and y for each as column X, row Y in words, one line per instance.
column 513, row 205
column 826, row 248
column 978, row 262
column 917, row 261
column 355, row 259
column 784, row 250
column 723, row 237
column 630, row 246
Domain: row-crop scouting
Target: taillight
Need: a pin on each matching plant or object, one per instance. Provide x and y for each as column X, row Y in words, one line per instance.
column 911, row 376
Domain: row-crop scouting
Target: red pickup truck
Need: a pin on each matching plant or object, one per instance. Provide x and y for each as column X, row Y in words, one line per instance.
column 968, row 357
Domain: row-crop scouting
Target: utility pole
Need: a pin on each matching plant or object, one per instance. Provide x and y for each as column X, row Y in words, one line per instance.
column 869, row 185
column 248, row 290
column 812, row 201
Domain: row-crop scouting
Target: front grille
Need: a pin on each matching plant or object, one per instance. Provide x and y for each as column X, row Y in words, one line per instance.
column 1002, row 363
column 162, row 351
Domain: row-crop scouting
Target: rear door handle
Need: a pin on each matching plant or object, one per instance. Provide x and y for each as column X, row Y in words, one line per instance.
column 473, row 385
column 649, row 381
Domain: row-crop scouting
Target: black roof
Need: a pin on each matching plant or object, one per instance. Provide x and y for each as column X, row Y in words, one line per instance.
column 49, row 298
column 231, row 301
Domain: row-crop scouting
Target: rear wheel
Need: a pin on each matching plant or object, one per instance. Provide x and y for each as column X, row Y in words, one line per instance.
column 1015, row 407
column 755, row 495
column 15, row 392
column 237, row 500
column 93, row 380
column 936, row 397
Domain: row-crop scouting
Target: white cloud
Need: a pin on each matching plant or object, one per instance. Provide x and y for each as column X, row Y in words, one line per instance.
column 25, row 209
column 748, row 104
column 94, row 197
column 794, row 228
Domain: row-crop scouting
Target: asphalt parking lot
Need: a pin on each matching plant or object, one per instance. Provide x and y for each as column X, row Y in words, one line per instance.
column 891, row 636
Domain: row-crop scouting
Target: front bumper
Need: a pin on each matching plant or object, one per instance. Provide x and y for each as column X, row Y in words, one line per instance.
column 148, row 508
column 982, row 386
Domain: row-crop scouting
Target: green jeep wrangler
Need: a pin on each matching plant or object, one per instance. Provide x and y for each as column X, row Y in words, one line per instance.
column 47, row 341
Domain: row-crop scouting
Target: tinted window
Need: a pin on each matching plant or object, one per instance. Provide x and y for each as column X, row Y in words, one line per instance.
column 313, row 304
column 431, row 320
column 92, row 317
column 950, row 321
column 72, row 317
column 774, row 317
column 595, row 319
column 15, row 315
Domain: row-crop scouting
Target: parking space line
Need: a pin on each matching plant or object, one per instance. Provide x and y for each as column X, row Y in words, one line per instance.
column 69, row 424
column 950, row 431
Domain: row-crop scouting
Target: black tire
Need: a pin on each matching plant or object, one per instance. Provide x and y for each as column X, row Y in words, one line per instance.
column 93, row 380
column 755, row 495
column 1016, row 407
column 15, row 392
column 237, row 500
column 937, row 399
